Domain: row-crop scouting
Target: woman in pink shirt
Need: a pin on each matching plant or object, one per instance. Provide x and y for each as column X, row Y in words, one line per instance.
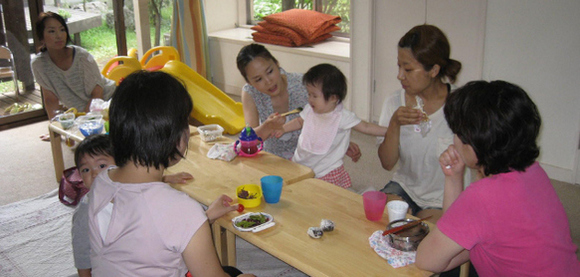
column 510, row 222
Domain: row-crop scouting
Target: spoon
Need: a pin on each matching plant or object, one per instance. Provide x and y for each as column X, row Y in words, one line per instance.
column 297, row 110
column 404, row 227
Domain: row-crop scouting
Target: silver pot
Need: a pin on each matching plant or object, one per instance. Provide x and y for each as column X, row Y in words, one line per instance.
column 409, row 239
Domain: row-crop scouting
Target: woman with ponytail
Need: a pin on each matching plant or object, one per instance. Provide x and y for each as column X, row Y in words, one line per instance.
column 417, row 131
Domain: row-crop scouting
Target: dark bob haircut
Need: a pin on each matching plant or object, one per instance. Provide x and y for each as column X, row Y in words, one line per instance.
column 250, row 52
column 93, row 145
column 330, row 77
column 499, row 121
column 41, row 25
column 148, row 116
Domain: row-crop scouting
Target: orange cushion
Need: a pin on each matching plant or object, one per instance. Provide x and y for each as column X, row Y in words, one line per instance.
column 297, row 39
column 282, row 40
column 309, row 24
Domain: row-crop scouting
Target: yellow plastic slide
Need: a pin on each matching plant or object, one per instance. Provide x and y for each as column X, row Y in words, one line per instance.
column 210, row 104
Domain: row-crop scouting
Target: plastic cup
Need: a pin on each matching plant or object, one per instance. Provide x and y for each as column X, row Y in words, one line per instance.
column 374, row 204
column 272, row 188
column 397, row 209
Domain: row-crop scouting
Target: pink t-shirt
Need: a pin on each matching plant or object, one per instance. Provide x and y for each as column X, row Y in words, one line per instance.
column 513, row 224
column 151, row 224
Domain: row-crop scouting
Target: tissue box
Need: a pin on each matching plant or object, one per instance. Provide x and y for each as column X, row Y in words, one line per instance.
column 210, row 132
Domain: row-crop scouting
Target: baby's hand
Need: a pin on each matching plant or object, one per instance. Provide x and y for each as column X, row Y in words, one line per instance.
column 278, row 133
column 353, row 152
column 178, row 178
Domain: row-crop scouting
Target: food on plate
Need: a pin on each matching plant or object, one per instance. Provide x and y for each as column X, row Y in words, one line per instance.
column 244, row 194
column 315, row 232
column 326, row 225
column 252, row 221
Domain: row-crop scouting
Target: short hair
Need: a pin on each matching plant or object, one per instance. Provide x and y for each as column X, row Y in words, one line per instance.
column 430, row 46
column 250, row 52
column 41, row 25
column 499, row 121
column 93, row 145
column 148, row 115
column 330, row 77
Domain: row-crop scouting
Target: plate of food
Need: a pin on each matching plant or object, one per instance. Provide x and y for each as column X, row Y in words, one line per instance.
column 254, row 222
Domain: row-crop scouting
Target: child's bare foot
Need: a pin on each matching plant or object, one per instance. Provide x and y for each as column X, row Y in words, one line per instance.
column 45, row 137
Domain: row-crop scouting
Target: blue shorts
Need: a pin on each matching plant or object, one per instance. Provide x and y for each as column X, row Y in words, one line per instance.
column 395, row 188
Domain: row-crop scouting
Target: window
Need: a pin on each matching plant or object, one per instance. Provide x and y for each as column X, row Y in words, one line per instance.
column 257, row 9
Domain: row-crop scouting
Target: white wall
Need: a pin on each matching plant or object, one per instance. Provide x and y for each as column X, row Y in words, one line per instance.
column 221, row 14
column 536, row 44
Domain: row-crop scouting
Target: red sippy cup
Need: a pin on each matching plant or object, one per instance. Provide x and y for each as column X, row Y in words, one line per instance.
column 249, row 143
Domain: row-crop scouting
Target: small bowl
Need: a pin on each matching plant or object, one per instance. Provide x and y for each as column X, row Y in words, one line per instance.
column 253, row 190
column 269, row 222
column 67, row 120
column 407, row 240
column 91, row 127
column 210, row 132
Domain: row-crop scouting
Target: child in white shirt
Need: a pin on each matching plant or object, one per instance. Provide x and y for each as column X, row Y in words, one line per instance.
column 326, row 125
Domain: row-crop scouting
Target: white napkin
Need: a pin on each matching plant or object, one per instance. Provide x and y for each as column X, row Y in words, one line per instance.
column 222, row 151
column 396, row 258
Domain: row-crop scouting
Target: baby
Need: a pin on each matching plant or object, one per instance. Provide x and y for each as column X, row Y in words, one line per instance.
column 326, row 125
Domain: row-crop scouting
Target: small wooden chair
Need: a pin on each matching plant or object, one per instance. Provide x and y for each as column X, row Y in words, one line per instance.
column 10, row 70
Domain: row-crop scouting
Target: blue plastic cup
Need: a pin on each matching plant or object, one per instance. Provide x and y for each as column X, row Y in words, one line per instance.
column 271, row 188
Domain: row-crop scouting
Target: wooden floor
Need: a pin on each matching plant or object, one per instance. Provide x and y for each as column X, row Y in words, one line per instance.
column 9, row 98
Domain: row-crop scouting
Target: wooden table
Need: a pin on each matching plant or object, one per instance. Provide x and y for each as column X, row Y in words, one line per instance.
column 213, row 178
column 342, row 252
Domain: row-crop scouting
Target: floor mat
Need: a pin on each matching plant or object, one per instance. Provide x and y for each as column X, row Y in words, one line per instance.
column 35, row 240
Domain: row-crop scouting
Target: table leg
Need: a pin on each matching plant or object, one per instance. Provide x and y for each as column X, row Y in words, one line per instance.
column 225, row 244
column 55, row 144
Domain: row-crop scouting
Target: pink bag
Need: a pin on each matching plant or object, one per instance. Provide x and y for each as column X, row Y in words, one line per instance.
column 71, row 187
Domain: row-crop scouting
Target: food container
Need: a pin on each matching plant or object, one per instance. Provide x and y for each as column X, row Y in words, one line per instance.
column 268, row 222
column 91, row 127
column 210, row 132
column 249, row 195
column 409, row 239
column 66, row 120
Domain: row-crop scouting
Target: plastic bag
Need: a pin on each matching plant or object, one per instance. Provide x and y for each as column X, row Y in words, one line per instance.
column 425, row 126
column 72, row 187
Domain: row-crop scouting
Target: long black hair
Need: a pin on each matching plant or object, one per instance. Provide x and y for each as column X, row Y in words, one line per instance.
column 248, row 53
column 41, row 25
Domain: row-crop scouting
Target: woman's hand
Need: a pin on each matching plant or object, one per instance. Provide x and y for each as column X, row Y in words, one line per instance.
column 220, row 207
column 275, row 121
column 451, row 163
column 405, row 116
column 178, row 178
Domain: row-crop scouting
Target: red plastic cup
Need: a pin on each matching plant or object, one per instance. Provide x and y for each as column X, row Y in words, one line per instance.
column 374, row 204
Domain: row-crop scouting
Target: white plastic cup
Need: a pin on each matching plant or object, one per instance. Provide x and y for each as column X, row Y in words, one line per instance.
column 397, row 209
